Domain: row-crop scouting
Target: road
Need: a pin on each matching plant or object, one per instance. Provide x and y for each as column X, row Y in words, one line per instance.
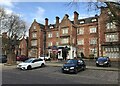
column 53, row 75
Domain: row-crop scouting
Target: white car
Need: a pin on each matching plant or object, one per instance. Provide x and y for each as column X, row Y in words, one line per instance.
column 31, row 63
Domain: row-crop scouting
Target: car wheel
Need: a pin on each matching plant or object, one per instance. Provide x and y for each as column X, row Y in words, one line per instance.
column 97, row 65
column 109, row 65
column 76, row 71
column 62, row 71
column 84, row 67
column 42, row 64
column 29, row 67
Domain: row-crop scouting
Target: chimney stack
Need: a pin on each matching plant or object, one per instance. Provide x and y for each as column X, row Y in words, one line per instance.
column 76, row 17
column 34, row 20
column 57, row 20
column 66, row 16
column 46, row 23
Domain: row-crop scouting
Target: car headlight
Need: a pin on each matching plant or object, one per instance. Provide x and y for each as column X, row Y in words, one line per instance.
column 96, row 61
column 72, row 67
column 106, row 62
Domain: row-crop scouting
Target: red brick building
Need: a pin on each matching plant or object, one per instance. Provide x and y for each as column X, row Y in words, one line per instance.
column 35, row 46
column 109, row 36
column 88, row 35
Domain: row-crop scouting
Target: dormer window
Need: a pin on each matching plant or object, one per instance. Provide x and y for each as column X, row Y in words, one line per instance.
column 82, row 22
column 51, row 26
column 93, row 20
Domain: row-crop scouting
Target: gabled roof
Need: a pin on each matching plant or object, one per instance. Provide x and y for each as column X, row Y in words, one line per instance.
column 41, row 26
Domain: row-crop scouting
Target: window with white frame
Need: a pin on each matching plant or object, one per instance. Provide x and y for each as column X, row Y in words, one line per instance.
column 51, row 26
column 34, row 27
column 64, row 40
column 65, row 31
column 57, row 34
column 34, row 43
column 82, row 50
column 114, row 49
column 49, row 43
column 34, row 35
column 80, row 31
column 93, row 51
column 82, row 22
column 93, row 41
column 112, row 37
column 112, row 53
column 93, row 29
column 80, row 42
column 111, row 25
column 93, row 20
column 57, row 43
column 34, row 51
column 49, row 35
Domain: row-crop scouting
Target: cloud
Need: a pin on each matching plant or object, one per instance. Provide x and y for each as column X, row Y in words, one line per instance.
column 7, row 3
column 39, row 15
column 8, row 10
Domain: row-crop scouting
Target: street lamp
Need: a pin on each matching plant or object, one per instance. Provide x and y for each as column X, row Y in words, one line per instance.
column 44, row 40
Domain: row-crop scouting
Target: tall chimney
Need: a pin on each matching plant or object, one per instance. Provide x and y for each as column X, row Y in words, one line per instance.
column 76, row 17
column 57, row 21
column 66, row 16
column 46, row 23
column 34, row 20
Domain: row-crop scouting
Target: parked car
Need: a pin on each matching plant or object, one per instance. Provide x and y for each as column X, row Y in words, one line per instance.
column 3, row 58
column 31, row 63
column 46, row 58
column 103, row 61
column 21, row 58
column 73, row 65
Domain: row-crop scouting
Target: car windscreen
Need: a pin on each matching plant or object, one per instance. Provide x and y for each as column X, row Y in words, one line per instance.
column 102, row 59
column 72, row 61
column 29, row 61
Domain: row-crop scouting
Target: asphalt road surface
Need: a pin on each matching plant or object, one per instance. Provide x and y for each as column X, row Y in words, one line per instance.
column 53, row 75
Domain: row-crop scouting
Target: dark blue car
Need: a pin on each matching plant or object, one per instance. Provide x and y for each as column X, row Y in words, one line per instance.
column 3, row 58
column 103, row 61
column 73, row 66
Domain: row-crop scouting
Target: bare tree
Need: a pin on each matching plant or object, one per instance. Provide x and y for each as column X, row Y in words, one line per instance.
column 15, row 29
column 114, row 8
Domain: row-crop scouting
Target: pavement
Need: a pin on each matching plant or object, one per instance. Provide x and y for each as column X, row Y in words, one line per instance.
column 90, row 64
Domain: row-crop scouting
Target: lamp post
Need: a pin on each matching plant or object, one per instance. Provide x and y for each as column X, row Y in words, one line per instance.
column 44, row 40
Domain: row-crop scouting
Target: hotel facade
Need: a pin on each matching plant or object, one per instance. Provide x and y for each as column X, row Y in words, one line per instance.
column 91, row 36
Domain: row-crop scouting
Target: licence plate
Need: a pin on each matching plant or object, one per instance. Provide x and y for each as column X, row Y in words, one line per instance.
column 100, row 64
column 66, row 69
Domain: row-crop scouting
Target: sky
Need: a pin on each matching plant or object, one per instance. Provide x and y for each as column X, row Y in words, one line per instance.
column 39, row 10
